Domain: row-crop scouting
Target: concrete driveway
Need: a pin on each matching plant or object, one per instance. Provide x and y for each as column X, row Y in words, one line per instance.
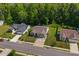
column 40, row 42
column 74, row 48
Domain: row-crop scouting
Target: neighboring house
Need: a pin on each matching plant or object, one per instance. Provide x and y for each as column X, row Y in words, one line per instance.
column 18, row 28
column 1, row 22
column 69, row 35
column 39, row 31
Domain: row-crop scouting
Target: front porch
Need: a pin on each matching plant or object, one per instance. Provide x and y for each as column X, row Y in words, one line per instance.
column 37, row 35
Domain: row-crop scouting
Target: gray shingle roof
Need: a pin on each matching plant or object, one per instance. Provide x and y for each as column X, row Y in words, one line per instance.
column 20, row 28
column 39, row 29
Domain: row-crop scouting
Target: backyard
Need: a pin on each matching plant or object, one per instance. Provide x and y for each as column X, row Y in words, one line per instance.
column 4, row 32
column 51, row 39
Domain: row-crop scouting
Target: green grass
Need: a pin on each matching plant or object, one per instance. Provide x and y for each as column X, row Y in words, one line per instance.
column 28, row 38
column 62, row 44
column 3, row 29
column 12, row 53
column 51, row 38
column 4, row 33
column 8, row 35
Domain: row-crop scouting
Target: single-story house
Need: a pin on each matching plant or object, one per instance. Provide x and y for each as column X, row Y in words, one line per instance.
column 69, row 35
column 18, row 28
column 1, row 22
column 39, row 31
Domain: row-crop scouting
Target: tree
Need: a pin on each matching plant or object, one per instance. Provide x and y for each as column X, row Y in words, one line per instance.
column 72, row 14
column 9, row 19
column 41, row 14
column 1, row 15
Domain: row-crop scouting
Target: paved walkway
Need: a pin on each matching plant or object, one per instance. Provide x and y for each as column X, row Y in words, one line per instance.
column 21, row 53
column 15, row 39
column 28, row 48
column 74, row 48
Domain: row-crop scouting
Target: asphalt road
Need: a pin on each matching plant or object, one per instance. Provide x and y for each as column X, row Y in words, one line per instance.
column 25, row 47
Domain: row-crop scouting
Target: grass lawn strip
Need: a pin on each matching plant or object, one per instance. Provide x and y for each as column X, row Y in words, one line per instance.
column 27, row 38
column 51, row 38
column 4, row 33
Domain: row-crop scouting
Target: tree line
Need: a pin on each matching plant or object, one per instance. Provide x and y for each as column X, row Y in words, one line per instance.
column 40, row 14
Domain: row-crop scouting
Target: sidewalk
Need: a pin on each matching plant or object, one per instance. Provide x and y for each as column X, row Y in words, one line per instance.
column 21, row 53
column 74, row 48
column 58, row 48
column 5, row 52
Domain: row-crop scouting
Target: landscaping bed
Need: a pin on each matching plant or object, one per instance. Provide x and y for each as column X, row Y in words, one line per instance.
column 27, row 38
column 4, row 32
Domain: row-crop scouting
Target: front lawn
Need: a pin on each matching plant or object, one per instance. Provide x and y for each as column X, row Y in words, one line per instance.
column 51, row 38
column 62, row 44
column 28, row 38
column 4, row 33
column 3, row 29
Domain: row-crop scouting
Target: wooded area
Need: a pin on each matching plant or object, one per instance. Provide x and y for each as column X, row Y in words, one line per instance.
column 40, row 14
